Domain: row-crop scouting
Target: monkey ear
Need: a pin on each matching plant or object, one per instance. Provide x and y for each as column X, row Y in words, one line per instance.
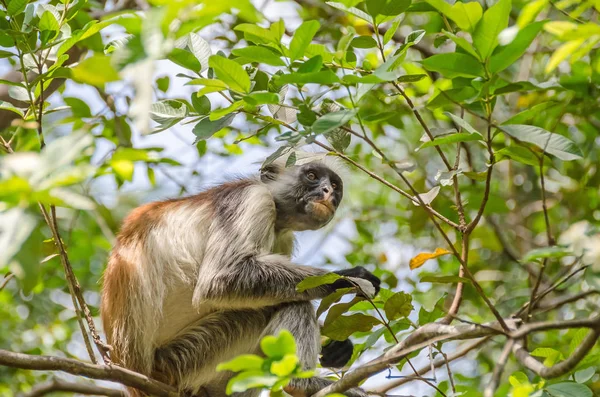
column 269, row 173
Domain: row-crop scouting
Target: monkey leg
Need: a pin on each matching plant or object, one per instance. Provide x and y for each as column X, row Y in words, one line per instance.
column 300, row 319
column 189, row 361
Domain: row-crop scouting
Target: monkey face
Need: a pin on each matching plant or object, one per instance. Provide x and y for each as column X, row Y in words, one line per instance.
column 320, row 191
column 306, row 196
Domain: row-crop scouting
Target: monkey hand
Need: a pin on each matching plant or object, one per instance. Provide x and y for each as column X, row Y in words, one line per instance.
column 357, row 276
column 336, row 354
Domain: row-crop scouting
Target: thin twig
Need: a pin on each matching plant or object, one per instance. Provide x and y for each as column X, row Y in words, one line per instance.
column 498, row 369
column 6, row 280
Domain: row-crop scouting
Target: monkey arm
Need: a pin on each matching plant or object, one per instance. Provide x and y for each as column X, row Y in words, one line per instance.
column 258, row 281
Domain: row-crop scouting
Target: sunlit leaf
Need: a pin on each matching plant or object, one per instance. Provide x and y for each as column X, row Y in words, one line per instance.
column 96, row 70
column 494, row 20
column 509, row 54
column 278, row 346
column 285, row 366
column 259, row 54
column 466, row 15
column 423, row 257
column 231, row 73
column 316, row 281
column 244, row 362
column 302, row 38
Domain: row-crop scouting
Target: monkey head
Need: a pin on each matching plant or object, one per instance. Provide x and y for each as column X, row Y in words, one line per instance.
column 306, row 195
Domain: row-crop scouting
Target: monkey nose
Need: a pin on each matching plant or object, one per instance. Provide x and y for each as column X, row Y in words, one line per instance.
column 327, row 191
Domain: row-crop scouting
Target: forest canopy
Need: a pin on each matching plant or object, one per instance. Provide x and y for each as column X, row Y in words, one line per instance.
column 469, row 131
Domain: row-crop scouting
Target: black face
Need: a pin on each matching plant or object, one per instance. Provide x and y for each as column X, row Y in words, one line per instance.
column 312, row 200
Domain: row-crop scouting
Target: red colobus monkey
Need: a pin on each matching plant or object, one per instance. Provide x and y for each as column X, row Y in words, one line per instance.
column 195, row 281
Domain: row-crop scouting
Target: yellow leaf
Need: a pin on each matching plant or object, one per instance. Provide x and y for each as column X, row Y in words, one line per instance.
column 562, row 53
column 423, row 257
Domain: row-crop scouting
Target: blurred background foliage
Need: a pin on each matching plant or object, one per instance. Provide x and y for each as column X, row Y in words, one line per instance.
column 106, row 105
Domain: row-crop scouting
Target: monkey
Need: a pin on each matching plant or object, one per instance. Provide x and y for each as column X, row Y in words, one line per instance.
column 195, row 281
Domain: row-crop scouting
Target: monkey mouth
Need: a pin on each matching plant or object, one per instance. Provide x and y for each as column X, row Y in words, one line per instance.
column 322, row 209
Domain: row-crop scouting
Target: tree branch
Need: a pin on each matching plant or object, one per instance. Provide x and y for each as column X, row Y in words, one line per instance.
column 56, row 385
column 436, row 364
column 104, row 372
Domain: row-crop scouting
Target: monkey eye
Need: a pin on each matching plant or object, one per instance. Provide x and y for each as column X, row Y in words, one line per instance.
column 311, row 176
column 334, row 185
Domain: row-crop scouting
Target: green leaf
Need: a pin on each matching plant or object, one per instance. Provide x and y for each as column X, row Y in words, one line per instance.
column 313, row 65
column 352, row 10
column 398, row 305
column 516, row 48
column 261, row 97
column 221, row 112
column 165, row 111
column 426, row 316
column 577, row 338
column 454, row 65
column 331, row 299
column 245, row 362
column 466, row 15
column 333, row 120
column 494, row 21
column 322, row 77
column 198, row 47
column 444, row 279
column 462, row 43
column 529, row 114
column 231, row 73
column 344, row 326
column 78, row 107
column 256, row 34
column 584, row 375
column 278, row 346
column 96, row 70
column 48, row 22
column 519, row 154
column 206, row 128
column 363, row 42
column 339, row 309
column 16, row 7
column 462, row 123
column 316, row 281
column 302, row 38
column 285, row 366
column 529, row 11
column 555, row 144
column 389, row 34
column 185, row 59
column 451, row 138
column 250, row 380
column 259, row 54
column 546, row 252
column 339, row 139
column 201, row 104
column 562, row 53
column 551, row 355
column 210, row 85
column 387, row 7
column 411, row 78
